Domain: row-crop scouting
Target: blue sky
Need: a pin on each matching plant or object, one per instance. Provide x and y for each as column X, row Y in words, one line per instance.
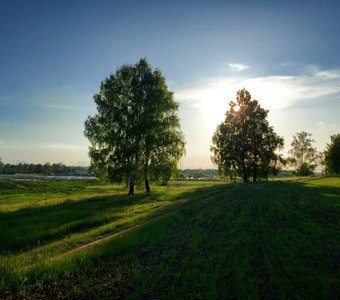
column 54, row 54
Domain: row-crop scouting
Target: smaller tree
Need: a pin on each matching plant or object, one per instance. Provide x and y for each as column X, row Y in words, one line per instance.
column 1, row 166
column 332, row 155
column 304, row 158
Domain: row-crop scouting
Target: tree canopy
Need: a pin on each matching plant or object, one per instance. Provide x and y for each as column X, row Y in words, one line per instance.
column 332, row 155
column 135, row 135
column 244, row 144
column 303, row 157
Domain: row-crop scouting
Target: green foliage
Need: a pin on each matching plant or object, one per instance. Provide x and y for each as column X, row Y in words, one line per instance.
column 135, row 135
column 303, row 157
column 332, row 155
column 305, row 170
column 244, row 144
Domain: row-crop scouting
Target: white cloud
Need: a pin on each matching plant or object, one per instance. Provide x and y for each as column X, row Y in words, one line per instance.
column 320, row 124
column 65, row 146
column 273, row 92
column 65, row 97
column 327, row 126
column 203, row 107
column 204, row 103
column 1, row 142
column 58, row 106
column 238, row 67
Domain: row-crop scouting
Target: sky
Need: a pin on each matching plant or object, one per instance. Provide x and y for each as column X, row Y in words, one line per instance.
column 54, row 54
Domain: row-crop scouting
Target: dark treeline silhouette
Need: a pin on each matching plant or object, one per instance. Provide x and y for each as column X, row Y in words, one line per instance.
column 198, row 173
column 45, row 169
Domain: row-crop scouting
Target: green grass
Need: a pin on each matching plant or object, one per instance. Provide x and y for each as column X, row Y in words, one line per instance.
column 278, row 239
column 15, row 195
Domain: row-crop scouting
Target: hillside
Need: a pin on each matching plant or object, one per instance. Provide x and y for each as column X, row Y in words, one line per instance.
column 277, row 239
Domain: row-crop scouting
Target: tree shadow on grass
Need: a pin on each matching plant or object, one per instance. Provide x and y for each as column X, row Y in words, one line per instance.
column 265, row 240
column 28, row 227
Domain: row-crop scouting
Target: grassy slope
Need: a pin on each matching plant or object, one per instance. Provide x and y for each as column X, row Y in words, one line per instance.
column 16, row 195
column 40, row 220
column 267, row 240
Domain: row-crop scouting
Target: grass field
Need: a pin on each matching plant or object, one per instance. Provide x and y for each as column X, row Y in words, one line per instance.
column 278, row 239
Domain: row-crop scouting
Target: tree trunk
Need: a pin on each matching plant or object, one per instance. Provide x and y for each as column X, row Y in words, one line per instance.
column 146, row 167
column 147, row 187
column 245, row 175
column 132, row 185
column 254, row 170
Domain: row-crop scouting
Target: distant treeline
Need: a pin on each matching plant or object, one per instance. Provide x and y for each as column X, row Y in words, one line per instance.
column 199, row 173
column 213, row 173
column 45, row 169
column 61, row 169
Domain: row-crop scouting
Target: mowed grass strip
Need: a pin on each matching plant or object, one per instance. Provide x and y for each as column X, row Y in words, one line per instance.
column 267, row 240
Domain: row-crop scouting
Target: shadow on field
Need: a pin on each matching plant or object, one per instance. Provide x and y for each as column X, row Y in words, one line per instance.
column 29, row 227
column 26, row 228
column 268, row 240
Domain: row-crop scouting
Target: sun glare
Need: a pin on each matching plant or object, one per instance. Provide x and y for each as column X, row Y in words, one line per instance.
column 212, row 96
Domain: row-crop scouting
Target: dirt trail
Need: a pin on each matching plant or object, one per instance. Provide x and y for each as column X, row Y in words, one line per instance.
column 110, row 236
column 157, row 213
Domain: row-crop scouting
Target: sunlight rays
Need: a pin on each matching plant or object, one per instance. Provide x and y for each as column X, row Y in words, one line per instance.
column 273, row 92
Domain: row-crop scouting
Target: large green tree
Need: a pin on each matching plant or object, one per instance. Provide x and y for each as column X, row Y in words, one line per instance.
column 332, row 155
column 135, row 135
column 303, row 157
column 244, row 144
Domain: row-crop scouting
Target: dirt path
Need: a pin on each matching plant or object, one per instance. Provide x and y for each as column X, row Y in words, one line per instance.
column 110, row 236
column 157, row 213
